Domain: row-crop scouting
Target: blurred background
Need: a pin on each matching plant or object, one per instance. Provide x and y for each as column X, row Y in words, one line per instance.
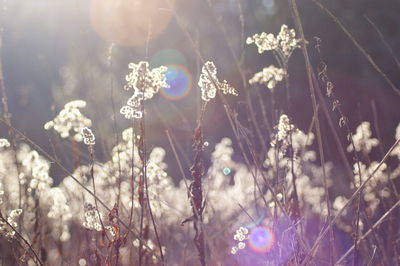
column 55, row 51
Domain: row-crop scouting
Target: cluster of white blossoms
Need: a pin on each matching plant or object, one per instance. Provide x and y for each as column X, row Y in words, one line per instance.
column 362, row 139
column 145, row 84
column 222, row 155
column 310, row 191
column 240, row 236
column 284, row 43
column 1, row 193
column 88, row 136
column 33, row 176
column 339, row 203
column 59, row 212
column 5, row 229
column 4, row 143
column 269, row 76
column 34, row 170
column 376, row 188
column 209, row 83
column 396, row 150
column 283, row 46
column 150, row 246
column 70, row 121
column 233, row 178
column 284, row 129
column 92, row 220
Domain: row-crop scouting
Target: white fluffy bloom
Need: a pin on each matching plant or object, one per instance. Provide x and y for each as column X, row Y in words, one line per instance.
column 284, row 128
column 70, row 119
column 241, row 234
column 59, row 213
column 234, row 250
column 4, row 143
column 269, row 76
column 209, row 83
column 15, row 213
column 1, row 193
column 264, row 41
column 396, row 150
column 34, row 169
column 284, row 43
column 339, row 203
column 287, row 40
column 5, row 229
column 145, row 84
column 376, row 186
column 362, row 139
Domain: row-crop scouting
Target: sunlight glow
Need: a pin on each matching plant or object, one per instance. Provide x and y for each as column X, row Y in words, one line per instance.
column 127, row 22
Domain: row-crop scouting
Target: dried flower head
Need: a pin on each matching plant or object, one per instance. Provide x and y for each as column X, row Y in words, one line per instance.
column 145, row 84
column 209, row 83
column 92, row 220
column 284, row 43
column 375, row 190
column 284, row 127
column 4, row 143
column 241, row 235
column 88, row 136
column 269, row 76
column 396, row 150
column 362, row 139
column 5, row 229
column 264, row 42
column 70, row 120
column 287, row 40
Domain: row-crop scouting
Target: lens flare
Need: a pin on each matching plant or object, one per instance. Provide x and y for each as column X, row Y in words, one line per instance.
column 261, row 239
column 259, row 220
column 168, row 56
column 226, row 171
column 179, row 81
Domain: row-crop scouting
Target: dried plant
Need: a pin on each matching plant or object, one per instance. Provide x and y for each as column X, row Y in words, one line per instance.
column 253, row 197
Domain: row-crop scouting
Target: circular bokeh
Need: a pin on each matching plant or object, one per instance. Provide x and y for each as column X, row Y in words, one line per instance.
column 226, row 171
column 261, row 239
column 180, row 83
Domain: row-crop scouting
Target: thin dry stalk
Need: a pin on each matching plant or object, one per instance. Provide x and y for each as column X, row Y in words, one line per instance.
column 378, row 31
column 114, row 118
column 68, row 173
column 354, row 195
column 299, row 27
column 228, row 111
column 34, row 256
column 239, row 67
column 358, row 46
column 91, row 154
column 343, row 122
column 371, row 230
column 6, row 112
